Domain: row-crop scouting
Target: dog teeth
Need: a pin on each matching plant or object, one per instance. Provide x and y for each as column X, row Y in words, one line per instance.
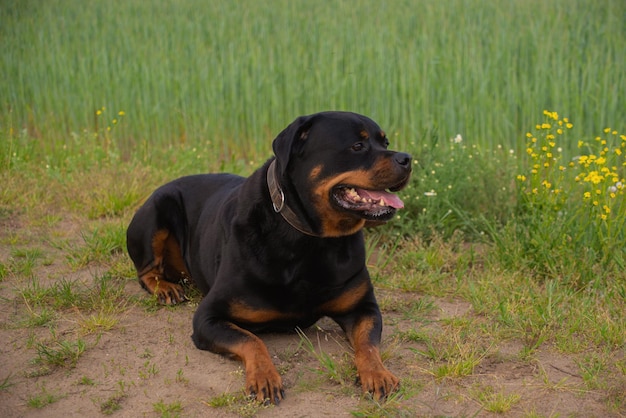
column 355, row 197
column 352, row 194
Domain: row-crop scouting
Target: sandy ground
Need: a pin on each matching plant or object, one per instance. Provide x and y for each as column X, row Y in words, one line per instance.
column 148, row 359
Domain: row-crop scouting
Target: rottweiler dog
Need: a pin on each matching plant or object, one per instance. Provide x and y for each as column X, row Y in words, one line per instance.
column 279, row 249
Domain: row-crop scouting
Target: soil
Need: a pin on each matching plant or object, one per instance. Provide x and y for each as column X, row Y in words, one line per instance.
column 148, row 360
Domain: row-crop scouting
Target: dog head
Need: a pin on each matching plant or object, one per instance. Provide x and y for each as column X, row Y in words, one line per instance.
column 338, row 173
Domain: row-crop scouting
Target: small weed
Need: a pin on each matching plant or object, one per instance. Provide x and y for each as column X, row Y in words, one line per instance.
column 99, row 322
column 107, row 294
column 180, row 377
column 25, row 260
column 456, row 351
column 4, row 271
column 170, row 410
column 419, row 309
column 42, row 399
column 151, row 303
column 390, row 407
column 148, row 370
column 412, row 336
column 41, row 318
column 39, row 372
column 60, row 353
column 6, row 383
column 100, row 245
column 591, row 367
column 237, row 403
column 64, row 294
column 333, row 370
column 147, row 354
column 34, row 294
column 220, row 401
column 86, row 381
column 493, row 401
column 112, row 404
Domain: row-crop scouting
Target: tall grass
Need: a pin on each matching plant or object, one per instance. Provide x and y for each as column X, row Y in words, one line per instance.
column 228, row 75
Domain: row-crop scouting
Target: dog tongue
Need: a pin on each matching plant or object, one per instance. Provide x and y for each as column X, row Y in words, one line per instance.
column 389, row 198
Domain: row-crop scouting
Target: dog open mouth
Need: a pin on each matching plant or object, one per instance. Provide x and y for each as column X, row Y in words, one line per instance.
column 368, row 204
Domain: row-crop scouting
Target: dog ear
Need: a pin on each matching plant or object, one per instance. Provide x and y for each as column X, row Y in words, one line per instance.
column 290, row 140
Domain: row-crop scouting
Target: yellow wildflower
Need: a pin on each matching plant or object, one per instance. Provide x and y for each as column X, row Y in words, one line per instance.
column 594, row 177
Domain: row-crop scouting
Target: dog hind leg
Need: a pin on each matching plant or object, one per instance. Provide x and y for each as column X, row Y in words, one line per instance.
column 167, row 271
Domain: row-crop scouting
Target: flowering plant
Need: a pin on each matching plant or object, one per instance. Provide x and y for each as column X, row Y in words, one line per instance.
column 575, row 206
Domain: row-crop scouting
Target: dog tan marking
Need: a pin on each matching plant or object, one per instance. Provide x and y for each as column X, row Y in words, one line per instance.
column 240, row 311
column 173, row 264
column 315, row 173
column 346, row 301
column 364, row 134
column 158, row 245
column 336, row 223
column 374, row 376
column 262, row 379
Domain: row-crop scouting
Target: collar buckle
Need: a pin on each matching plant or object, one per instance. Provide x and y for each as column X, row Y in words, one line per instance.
column 278, row 202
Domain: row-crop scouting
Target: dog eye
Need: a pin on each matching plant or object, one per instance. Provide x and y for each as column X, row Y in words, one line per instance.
column 385, row 143
column 359, row 146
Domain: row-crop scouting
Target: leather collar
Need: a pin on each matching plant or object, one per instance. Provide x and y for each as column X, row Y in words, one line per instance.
column 279, row 205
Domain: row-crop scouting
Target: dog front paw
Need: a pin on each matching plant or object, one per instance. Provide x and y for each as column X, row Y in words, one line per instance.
column 379, row 383
column 265, row 385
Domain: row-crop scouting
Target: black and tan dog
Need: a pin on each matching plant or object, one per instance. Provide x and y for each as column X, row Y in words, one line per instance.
column 281, row 248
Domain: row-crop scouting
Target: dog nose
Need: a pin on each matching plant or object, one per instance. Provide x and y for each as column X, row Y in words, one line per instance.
column 403, row 159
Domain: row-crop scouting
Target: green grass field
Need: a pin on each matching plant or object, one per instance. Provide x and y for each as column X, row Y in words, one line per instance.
column 230, row 74
column 514, row 112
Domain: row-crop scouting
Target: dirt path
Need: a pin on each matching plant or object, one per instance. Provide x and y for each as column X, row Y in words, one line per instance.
column 146, row 365
column 149, row 358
